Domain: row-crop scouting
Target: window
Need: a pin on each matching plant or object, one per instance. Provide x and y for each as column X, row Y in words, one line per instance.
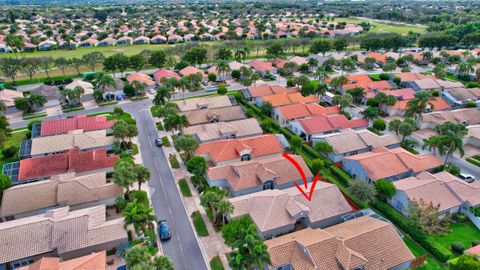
column 268, row 185
column 399, row 205
column 245, row 157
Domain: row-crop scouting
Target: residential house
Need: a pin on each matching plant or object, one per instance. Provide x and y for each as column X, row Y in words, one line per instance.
column 235, row 150
column 112, row 91
column 263, row 67
column 256, row 93
column 96, row 260
column 8, row 97
column 89, row 42
column 349, row 142
column 158, row 39
column 86, row 86
column 252, row 176
column 185, row 105
column 124, row 41
column 225, row 130
column 388, row 164
column 471, row 142
column 191, row 70
column 165, row 74
column 143, row 79
column 43, row 146
column 59, row 232
column 320, row 124
column 442, row 189
column 60, row 190
column 72, row 160
column 361, row 243
column 61, row 126
column 47, row 45
column 214, row 115
column 141, row 40
column 469, row 116
column 51, row 92
column 430, row 84
column 407, row 78
column 175, row 39
column 109, row 41
column 288, row 113
column 277, row 212
column 282, row 99
column 459, row 97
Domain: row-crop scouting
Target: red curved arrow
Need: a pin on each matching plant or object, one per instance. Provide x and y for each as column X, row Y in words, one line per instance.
column 305, row 182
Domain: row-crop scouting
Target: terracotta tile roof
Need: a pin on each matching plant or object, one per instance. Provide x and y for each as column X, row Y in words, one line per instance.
column 282, row 99
column 384, row 163
column 463, row 93
column 223, row 114
column 191, row 70
column 273, row 209
column 215, row 131
column 249, row 174
column 438, row 104
column 353, row 140
column 326, row 123
column 301, row 110
column 470, row 115
column 140, row 77
column 94, row 261
column 203, row 103
column 262, row 66
column 70, row 160
column 409, row 76
column 378, row 57
column 75, row 138
column 230, row 149
column 165, row 73
column 83, row 122
column 473, row 250
column 363, row 241
column 401, row 94
column 59, row 189
column 8, row 97
column 265, row 90
column 58, row 230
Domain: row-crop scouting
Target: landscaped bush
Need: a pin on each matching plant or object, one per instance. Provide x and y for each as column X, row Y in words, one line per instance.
column 384, row 76
column 174, row 162
column 10, row 151
column 165, row 141
column 458, row 247
column 216, row 263
column 340, row 175
column 140, row 196
column 421, row 237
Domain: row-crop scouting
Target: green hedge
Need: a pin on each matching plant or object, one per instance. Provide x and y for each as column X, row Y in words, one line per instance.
column 184, row 188
column 199, row 224
column 421, row 237
column 341, row 175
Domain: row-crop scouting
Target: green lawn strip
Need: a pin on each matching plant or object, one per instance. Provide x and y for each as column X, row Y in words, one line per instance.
column 34, row 116
column 475, row 162
column 166, row 142
column 430, row 263
column 159, row 126
column 184, row 188
column 125, row 117
column 135, row 149
column 463, row 233
column 152, row 238
column 154, row 111
column 73, row 109
column 199, row 224
column 174, row 162
column 216, row 263
column 100, row 113
column 103, row 104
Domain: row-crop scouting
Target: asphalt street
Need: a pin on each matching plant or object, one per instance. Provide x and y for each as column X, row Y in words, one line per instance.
column 183, row 247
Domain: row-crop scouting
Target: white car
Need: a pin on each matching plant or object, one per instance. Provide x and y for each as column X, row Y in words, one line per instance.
column 467, row 177
column 152, row 91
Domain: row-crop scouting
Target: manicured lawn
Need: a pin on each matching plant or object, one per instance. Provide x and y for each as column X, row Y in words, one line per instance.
column 464, row 233
column 216, row 263
column 165, row 141
column 125, row 117
column 380, row 27
column 14, row 140
column 154, row 111
column 34, row 116
column 174, row 162
column 159, row 126
column 199, row 224
column 430, row 264
column 185, row 188
column 140, row 196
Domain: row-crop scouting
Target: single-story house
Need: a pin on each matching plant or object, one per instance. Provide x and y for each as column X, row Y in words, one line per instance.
column 469, row 116
column 141, row 40
column 448, row 192
column 85, row 123
column 109, row 41
column 158, row 39
column 60, row 232
column 231, row 151
column 256, row 93
column 87, row 87
column 89, row 42
column 360, row 243
column 51, row 92
column 124, row 41
column 322, row 124
column 165, row 74
column 8, row 97
column 191, row 70
column 350, row 142
column 142, row 78
column 224, row 130
column 288, row 113
column 252, row 176
column 276, row 212
column 458, row 97
column 65, row 189
column 282, row 99
column 388, row 164
column 96, row 260
column 222, row 114
column 263, row 67
column 203, row 103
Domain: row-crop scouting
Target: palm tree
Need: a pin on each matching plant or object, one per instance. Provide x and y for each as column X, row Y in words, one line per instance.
column 370, row 113
column 223, row 68
column 138, row 215
column 36, row 101
column 3, row 107
column 163, row 263
column 312, row 63
column 249, row 252
column 427, row 55
column 143, row 175
column 320, row 90
column 418, row 105
column 182, row 122
column 102, row 81
column 432, row 143
column 225, row 208
column 451, row 142
column 321, row 74
column 73, row 95
column 162, row 96
column 254, row 78
column 464, row 69
column 139, row 87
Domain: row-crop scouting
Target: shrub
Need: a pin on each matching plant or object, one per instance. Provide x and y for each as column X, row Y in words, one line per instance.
column 290, row 83
column 222, row 90
column 379, row 124
column 236, row 74
column 371, row 102
column 10, row 151
column 435, row 93
column 212, row 77
column 362, row 190
column 317, row 165
column 458, row 247
column 128, row 90
column 384, row 76
column 385, row 188
column 120, row 203
column 471, row 104
column 472, row 84
column 340, row 175
column 475, row 243
column 28, row 134
column 397, row 80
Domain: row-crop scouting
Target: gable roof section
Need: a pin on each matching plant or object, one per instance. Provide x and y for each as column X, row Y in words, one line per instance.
column 302, row 110
column 223, row 114
column 325, row 123
column 165, row 73
column 97, row 261
column 190, row 70
column 272, row 209
column 266, row 89
column 383, row 162
column 214, row 131
column 230, row 149
column 83, row 122
column 201, row 103
column 363, row 241
column 262, row 66
column 470, row 115
column 60, row 230
column 70, row 160
column 281, row 99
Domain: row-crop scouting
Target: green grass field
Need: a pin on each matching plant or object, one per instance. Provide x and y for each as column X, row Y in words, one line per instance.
column 430, row 264
column 381, row 27
column 464, row 233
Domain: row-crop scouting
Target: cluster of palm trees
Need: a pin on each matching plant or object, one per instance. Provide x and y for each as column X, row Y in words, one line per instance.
column 72, row 96
column 139, row 257
column 448, row 140
column 419, row 104
column 215, row 200
column 31, row 103
column 124, row 132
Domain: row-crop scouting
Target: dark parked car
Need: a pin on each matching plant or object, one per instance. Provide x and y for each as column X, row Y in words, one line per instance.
column 163, row 230
column 158, row 142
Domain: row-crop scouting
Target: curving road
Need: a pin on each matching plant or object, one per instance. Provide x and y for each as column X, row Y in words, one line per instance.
column 183, row 247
